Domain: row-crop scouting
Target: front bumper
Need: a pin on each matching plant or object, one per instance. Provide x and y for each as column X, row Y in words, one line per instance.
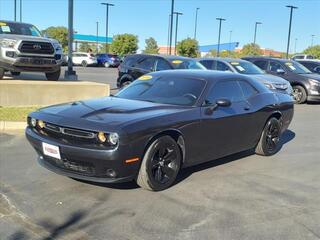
column 84, row 163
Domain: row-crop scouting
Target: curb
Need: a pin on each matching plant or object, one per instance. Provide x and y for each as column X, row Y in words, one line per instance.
column 8, row 125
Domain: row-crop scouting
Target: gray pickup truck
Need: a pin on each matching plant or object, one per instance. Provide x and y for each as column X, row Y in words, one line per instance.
column 23, row 49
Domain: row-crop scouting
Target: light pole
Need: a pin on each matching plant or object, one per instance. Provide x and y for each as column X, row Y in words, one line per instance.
column 295, row 45
column 255, row 32
column 20, row 10
column 97, row 32
column 312, row 36
column 107, row 22
column 176, row 36
column 289, row 33
column 195, row 24
column 168, row 41
column 15, row 10
column 230, row 37
column 171, row 26
column 220, row 21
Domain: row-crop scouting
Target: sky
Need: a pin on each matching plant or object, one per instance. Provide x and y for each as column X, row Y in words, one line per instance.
column 149, row 18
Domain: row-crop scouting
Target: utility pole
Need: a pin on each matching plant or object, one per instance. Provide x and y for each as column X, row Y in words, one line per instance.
column 168, row 41
column 295, row 45
column 289, row 33
column 97, row 32
column 230, row 37
column 312, row 36
column 220, row 21
column 195, row 24
column 20, row 10
column 15, row 10
column 107, row 22
column 176, row 36
column 255, row 32
column 171, row 26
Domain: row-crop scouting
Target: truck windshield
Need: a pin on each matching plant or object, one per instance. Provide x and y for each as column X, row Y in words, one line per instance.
column 19, row 29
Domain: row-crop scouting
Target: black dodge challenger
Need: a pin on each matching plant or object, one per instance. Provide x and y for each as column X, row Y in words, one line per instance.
column 159, row 124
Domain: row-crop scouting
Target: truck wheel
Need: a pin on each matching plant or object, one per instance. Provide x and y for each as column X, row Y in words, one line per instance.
column 54, row 76
column 84, row 64
column 15, row 73
column 1, row 73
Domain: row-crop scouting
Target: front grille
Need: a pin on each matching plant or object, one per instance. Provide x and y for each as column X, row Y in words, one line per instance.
column 69, row 132
column 36, row 47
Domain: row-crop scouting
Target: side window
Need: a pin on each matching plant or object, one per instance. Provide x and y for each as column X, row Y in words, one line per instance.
column 247, row 89
column 274, row 66
column 225, row 89
column 261, row 64
column 162, row 65
column 147, row 64
column 222, row 66
column 298, row 57
column 208, row 64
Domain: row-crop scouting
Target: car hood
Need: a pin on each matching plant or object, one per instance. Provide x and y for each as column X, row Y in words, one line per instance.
column 311, row 76
column 109, row 113
column 25, row 37
column 270, row 78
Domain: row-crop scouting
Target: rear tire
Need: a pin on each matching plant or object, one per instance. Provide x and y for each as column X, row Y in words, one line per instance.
column 125, row 84
column 84, row 64
column 106, row 65
column 270, row 137
column 15, row 73
column 1, row 73
column 160, row 164
column 54, row 76
column 299, row 94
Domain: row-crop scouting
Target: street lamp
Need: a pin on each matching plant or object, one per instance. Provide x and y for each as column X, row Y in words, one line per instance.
column 15, row 10
column 295, row 45
column 176, row 37
column 255, row 32
column 290, row 22
column 20, row 10
column 171, row 26
column 196, row 23
column 168, row 41
column 220, row 20
column 312, row 36
column 97, row 32
column 107, row 21
column 230, row 37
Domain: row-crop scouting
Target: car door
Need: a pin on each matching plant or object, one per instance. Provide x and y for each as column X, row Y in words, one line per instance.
column 277, row 69
column 223, row 130
column 143, row 66
column 208, row 64
column 221, row 66
column 162, row 65
column 75, row 58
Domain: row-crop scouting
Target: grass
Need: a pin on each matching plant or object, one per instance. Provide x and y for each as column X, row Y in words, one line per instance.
column 15, row 114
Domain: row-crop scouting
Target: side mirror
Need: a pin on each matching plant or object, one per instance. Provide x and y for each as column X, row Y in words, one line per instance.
column 317, row 70
column 280, row 71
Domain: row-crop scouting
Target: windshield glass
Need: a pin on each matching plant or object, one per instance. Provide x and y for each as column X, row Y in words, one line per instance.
column 166, row 90
column 246, row 67
column 297, row 68
column 187, row 64
column 19, row 29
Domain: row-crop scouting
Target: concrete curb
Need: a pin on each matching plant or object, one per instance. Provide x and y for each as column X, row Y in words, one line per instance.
column 8, row 125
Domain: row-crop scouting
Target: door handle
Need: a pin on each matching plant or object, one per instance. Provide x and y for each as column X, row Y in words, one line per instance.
column 247, row 108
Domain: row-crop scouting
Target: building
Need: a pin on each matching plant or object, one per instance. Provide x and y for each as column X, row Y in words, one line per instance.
column 266, row 52
column 81, row 38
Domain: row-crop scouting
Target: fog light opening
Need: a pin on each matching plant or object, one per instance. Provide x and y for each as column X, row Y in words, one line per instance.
column 111, row 173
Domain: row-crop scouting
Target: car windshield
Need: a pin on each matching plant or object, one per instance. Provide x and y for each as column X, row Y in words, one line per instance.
column 246, row 67
column 297, row 68
column 165, row 90
column 19, row 29
column 186, row 64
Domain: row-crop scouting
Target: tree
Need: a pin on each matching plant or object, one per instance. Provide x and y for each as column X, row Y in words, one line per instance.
column 188, row 47
column 314, row 51
column 123, row 44
column 251, row 49
column 151, row 46
column 85, row 47
column 58, row 33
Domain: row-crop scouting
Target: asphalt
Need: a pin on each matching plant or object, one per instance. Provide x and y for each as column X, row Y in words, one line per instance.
column 244, row 196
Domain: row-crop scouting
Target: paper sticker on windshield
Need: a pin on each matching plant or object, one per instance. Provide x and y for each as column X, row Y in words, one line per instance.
column 3, row 24
column 176, row 61
column 145, row 77
column 234, row 63
column 240, row 68
column 292, row 67
column 288, row 63
column 5, row 29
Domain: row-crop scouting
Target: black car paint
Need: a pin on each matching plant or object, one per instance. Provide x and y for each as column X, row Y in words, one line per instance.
column 312, row 65
column 293, row 78
column 202, row 136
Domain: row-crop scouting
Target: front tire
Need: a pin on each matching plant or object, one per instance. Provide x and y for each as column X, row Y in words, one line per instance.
column 125, row 84
column 160, row 165
column 106, row 65
column 1, row 73
column 299, row 94
column 54, row 76
column 270, row 137
column 84, row 64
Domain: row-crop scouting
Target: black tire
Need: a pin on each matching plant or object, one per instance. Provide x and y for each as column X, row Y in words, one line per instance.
column 15, row 73
column 84, row 64
column 160, row 165
column 125, row 84
column 1, row 73
column 270, row 137
column 106, row 65
column 299, row 94
column 54, row 76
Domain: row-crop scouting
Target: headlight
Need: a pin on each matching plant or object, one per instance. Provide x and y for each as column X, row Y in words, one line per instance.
column 314, row 82
column 102, row 137
column 57, row 46
column 33, row 122
column 269, row 85
column 113, row 138
column 41, row 124
column 8, row 43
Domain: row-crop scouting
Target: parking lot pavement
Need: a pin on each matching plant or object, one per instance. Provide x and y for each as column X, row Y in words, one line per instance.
column 240, row 197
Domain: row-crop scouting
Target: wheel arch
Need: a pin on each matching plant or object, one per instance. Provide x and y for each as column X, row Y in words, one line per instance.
column 125, row 78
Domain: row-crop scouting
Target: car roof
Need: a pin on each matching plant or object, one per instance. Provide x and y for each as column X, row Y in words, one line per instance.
column 168, row 57
column 223, row 59
column 269, row 58
column 309, row 60
column 22, row 23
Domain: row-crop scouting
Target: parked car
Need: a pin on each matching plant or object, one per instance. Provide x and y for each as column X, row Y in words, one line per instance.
column 312, row 65
column 108, row 60
column 305, row 84
column 162, row 122
column 302, row 56
column 245, row 67
column 134, row 66
column 23, row 49
column 84, row 59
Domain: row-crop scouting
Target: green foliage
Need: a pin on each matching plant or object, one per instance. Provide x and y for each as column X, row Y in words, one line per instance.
column 188, row 47
column 85, row 47
column 223, row 54
column 123, row 44
column 151, row 46
column 251, row 49
column 314, row 51
column 58, row 33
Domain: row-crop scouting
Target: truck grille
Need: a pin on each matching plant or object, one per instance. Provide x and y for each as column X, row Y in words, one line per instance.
column 36, row 47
